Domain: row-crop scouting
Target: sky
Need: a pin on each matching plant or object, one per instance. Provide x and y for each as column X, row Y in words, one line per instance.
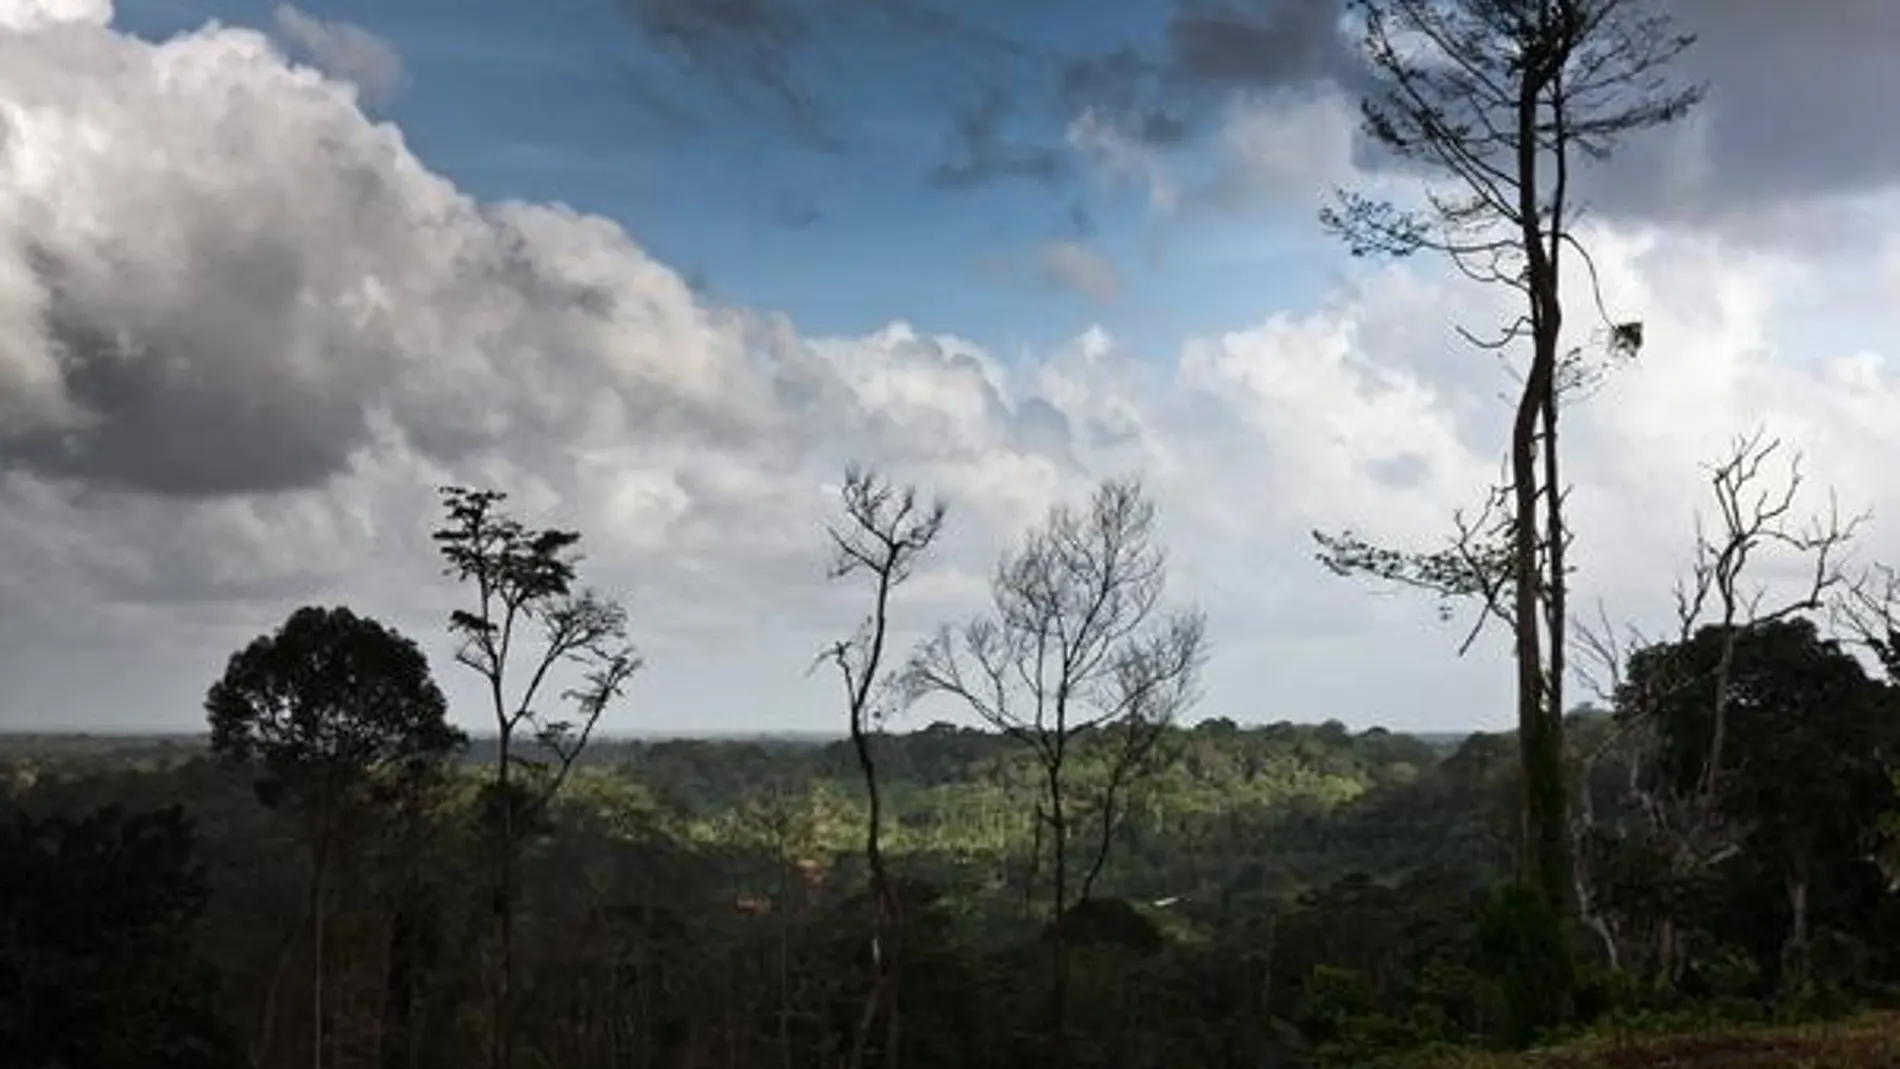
column 660, row 269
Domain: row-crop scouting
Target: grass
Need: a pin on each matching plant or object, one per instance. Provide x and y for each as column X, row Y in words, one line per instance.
column 1870, row 1041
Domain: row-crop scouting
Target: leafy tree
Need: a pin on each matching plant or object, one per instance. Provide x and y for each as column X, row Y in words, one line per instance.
column 1500, row 100
column 1804, row 768
column 883, row 532
column 1077, row 650
column 528, row 621
column 327, row 702
column 98, row 966
column 1755, row 523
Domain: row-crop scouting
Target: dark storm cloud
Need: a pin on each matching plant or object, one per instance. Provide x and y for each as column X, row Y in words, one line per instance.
column 189, row 401
column 1797, row 103
column 1260, row 44
column 1127, row 83
column 1799, row 107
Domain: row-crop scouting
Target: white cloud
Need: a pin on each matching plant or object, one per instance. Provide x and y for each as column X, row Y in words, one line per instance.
column 1284, row 150
column 249, row 333
column 344, row 51
column 1290, row 148
column 37, row 14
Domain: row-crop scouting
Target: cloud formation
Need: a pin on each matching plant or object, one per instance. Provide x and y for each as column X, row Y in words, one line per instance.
column 1795, row 100
column 250, row 332
column 344, row 51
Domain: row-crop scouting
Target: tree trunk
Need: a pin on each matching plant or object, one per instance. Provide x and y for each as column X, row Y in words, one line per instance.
column 1058, row 926
column 885, row 946
column 267, row 1014
column 1795, row 954
column 319, row 862
column 1668, row 951
column 398, row 992
column 502, row 1038
column 1546, row 833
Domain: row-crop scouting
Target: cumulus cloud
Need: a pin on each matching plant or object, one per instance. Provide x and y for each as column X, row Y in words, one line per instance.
column 345, row 51
column 36, row 14
column 249, row 333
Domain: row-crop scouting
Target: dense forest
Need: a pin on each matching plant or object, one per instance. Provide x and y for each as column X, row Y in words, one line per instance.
column 1276, row 895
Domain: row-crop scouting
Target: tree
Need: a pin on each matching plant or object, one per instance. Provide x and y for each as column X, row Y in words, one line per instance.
column 99, row 964
column 1717, row 604
column 528, row 622
column 328, row 701
column 1076, row 652
column 1802, row 752
column 1501, row 99
column 883, row 532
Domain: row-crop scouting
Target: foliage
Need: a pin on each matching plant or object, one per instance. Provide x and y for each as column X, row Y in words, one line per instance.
column 1278, row 894
column 98, row 966
column 327, row 700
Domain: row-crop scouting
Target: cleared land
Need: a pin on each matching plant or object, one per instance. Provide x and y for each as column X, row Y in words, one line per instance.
column 1871, row 1041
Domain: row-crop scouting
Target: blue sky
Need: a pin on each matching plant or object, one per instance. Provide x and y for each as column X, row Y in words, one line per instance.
column 543, row 102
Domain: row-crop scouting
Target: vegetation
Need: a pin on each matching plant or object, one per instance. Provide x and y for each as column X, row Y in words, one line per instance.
column 1274, row 895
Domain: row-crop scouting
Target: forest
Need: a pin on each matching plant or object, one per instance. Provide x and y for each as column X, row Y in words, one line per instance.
column 1690, row 837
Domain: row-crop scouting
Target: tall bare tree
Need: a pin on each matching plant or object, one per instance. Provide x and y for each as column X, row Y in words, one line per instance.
column 1500, row 100
column 882, row 532
column 1077, row 654
column 1758, row 520
column 528, row 624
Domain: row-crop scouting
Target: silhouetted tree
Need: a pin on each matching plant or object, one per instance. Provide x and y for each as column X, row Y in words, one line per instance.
column 1717, row 604
column 882, row 533
column 528, row 622
column 1500, row 100
column 319, row 707
column 98, row 962
column 1076, row 648
column 1804, row 748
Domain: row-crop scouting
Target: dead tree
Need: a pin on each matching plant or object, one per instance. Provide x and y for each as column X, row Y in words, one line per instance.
column 1500, row 100
column 528, row 624
column 883, row 531
column 1077, row 646
column 1756, row 520
column 1867, row 612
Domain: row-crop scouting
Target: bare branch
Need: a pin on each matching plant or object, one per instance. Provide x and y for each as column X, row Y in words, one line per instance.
column 1077, row 645
column 882, row 534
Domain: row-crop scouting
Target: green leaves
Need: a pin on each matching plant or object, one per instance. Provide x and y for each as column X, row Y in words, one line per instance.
column 326, row 700
column 522, row 570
